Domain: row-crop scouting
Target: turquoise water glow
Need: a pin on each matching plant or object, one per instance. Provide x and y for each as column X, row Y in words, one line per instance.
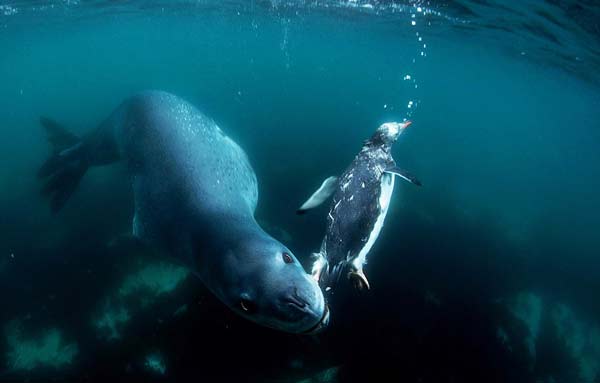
column 501, row 239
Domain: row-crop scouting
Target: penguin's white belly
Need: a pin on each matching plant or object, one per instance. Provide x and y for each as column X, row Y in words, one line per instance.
column 386, row 189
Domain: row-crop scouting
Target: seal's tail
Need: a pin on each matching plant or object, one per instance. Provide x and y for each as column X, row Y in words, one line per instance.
column 65, row 167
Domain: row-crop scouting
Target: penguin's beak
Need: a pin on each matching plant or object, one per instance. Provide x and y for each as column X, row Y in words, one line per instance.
column 391, row 130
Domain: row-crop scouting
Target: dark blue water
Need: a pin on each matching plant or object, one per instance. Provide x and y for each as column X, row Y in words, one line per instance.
column 489, row 272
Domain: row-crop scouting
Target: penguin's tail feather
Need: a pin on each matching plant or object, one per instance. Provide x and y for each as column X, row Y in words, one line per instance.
column 335, row 273
column 65, row 167
column 319, row 267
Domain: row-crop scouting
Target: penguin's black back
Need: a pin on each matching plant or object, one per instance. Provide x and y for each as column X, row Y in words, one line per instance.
column 355, row 205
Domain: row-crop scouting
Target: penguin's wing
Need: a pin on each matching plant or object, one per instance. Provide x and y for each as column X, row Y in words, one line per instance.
column 323, row 192
column 403, row 174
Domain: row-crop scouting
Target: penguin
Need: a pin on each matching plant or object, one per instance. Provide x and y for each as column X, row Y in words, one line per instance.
column 361, row 197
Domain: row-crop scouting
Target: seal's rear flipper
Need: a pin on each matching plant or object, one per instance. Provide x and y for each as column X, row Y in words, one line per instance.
column 65, row 167
column 58, row 136
column 325, row 191
column 403, row 174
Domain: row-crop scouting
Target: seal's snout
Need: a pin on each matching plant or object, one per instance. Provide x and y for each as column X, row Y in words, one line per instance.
column 303, row 305
column 281, row 296
column 321, row 325
column 296, row 299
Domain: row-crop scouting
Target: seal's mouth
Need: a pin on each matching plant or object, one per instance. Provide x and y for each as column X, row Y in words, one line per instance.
column 321, row 325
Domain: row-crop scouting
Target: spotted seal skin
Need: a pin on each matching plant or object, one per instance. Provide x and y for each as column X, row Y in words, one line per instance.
column 361, row 197
column 195, row 195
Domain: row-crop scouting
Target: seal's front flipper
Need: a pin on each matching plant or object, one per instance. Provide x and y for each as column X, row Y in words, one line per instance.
column 325, row 191
column 124, row 241
column 403, row 174
column 65, row 167
column 359, row 280
column 128, row 244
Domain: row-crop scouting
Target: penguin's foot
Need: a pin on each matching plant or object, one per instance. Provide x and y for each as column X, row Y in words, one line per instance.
column 359, row 280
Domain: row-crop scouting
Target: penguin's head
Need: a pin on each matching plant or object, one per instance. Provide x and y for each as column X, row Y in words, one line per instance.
column 388, row 133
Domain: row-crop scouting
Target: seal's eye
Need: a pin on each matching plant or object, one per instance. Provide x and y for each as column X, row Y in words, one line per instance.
column 247, row 305
column 287, row 258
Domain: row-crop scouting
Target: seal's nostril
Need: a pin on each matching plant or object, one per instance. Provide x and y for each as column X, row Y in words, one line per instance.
column 300, row 298
column 295, row 300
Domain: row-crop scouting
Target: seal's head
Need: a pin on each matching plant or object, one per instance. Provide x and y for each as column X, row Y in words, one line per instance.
column 265, row 283
column 388, row 133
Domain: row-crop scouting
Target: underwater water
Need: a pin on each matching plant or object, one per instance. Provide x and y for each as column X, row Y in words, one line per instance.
column 489, row 272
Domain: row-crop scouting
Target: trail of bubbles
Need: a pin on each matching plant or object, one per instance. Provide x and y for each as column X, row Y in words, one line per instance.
column 417, row 20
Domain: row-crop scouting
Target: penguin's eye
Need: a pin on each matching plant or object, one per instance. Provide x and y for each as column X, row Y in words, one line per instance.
column 247, row 305
column 287, row 258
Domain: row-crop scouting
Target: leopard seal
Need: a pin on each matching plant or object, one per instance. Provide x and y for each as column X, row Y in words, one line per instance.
column 195, row 194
